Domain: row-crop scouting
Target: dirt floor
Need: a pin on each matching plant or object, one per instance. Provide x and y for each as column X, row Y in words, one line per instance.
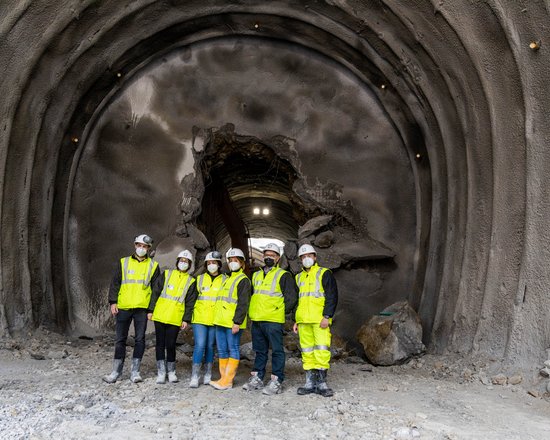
column 51, row 388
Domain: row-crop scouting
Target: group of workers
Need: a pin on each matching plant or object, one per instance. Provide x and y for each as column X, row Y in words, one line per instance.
column 217, row 305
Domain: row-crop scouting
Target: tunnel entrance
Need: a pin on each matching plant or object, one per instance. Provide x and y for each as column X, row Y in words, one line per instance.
column 248, row 191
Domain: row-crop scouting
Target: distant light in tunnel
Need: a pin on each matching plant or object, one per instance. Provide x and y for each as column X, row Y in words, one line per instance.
column 535, row 45
column 383, row 86
column 256, row 211
column 265, row 211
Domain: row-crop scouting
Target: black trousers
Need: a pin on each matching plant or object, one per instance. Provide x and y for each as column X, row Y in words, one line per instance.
column 166, row 335
column 123, row 320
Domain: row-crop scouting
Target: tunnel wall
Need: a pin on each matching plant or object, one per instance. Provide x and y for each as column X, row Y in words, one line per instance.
column 462, row 71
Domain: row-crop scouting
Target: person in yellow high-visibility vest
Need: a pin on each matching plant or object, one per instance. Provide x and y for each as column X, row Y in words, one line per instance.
column 274, row 294
column 129, row 298
column 317, row 300
column 230, row 318
column 209, row 285
column 172, row 309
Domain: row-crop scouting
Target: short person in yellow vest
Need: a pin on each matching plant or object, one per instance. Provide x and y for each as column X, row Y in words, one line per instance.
column 274, row 295
column 230, row 318
column 209, row 285
column 173, row 307
column 130, row 297
column 317, row 300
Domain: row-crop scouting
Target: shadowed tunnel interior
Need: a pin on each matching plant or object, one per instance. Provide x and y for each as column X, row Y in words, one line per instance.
column 416, row 127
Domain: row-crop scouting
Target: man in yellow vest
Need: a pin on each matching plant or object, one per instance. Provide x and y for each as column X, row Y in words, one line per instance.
column 274, row 295
column 130, row 297
column 317, row 300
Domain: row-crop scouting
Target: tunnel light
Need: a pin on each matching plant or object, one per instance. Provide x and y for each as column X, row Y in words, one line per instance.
column 265, row 211
column 383, row 86
column 256, row 211
column 74, row 140
column 119, row 74
column 535, row 45
column 418, row 156
column 256, row 25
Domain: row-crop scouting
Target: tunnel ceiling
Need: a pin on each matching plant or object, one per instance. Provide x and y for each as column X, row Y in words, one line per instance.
column 462, row 84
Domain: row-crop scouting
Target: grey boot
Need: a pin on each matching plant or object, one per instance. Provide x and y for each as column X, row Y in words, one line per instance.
column 171, row 367
column 161, row 371
column 195, row 374
column 322, row 387
column 116, row 373
column 309, row 387
column 207, row 373
column 134, row 375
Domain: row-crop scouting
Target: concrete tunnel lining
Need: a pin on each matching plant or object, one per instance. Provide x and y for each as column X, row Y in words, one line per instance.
column 472, row 239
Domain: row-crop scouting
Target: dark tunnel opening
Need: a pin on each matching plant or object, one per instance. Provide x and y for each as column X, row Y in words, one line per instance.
column 248, row 193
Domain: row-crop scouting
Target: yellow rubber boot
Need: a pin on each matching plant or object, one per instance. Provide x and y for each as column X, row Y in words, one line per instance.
column 227, row 382
column 223, row 368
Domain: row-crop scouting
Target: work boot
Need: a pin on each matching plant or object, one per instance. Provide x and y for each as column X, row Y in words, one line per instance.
column 322, row 387
column 207, row 373
column 226, row 382
column 273, row 387
column 254, row 382
column 171, row 367
column 195, row 374
column 134, row 375
column 223, row 367
column 116, row 373
column 309, row 387
column 161, row 369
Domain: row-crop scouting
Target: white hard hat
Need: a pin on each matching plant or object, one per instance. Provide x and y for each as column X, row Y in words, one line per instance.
column 144, row 239
column 214, row 255
column 272, row 247
column 186, row 254
column 234, row 252
column 306, row 249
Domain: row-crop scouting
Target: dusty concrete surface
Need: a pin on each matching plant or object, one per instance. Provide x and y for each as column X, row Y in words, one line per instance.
column 435, row 397
column 453, row 176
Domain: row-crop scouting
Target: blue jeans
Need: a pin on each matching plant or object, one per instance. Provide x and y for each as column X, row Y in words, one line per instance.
column 264, row 335
column 204, row 335
column 228, row 343
column 123, row 320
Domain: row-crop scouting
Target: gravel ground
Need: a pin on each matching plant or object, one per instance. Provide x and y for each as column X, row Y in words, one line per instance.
column 51, row 388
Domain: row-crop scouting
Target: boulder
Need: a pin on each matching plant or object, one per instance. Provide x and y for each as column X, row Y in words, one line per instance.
column 199, row 239
column 313, row 225
column 393, row 336
column 328, row 258
column 361, row 250
column 324, row 239
column 291, row 250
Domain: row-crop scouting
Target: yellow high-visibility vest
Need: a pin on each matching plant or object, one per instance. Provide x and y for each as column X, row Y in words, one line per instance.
column 135, row 287
column 224, row 311
column 311, row 296
column 267, row 301
column 209, row 290
column 170, row 306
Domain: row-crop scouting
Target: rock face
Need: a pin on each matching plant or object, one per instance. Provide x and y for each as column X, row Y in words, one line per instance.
column 393, row 336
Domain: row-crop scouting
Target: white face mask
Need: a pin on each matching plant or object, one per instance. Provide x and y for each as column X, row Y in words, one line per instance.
column 183, row 265
column 308, row 262
column 141, row 252
column 212, row 268
column 234, row 266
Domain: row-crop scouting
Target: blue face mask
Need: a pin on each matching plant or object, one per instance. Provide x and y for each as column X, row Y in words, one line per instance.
column 269, row 262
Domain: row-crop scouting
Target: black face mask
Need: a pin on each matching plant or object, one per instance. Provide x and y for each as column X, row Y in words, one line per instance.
column 269, row 262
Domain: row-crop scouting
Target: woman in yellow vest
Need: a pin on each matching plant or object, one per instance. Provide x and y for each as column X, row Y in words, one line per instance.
column 208, row 285
column 317, row 300
column 230, row 318
column 173, row 307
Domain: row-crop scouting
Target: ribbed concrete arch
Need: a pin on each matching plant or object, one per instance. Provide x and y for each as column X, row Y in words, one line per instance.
column 461, row 86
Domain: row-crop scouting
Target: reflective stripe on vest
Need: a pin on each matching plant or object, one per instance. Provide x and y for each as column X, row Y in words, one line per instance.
column 146, row 281
column 208, row 290
column 267, row 302
column 183, row 294
column 317, row 289
column 135, row 283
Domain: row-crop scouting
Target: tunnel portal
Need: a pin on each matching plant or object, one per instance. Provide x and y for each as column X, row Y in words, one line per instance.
column 419, row 128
